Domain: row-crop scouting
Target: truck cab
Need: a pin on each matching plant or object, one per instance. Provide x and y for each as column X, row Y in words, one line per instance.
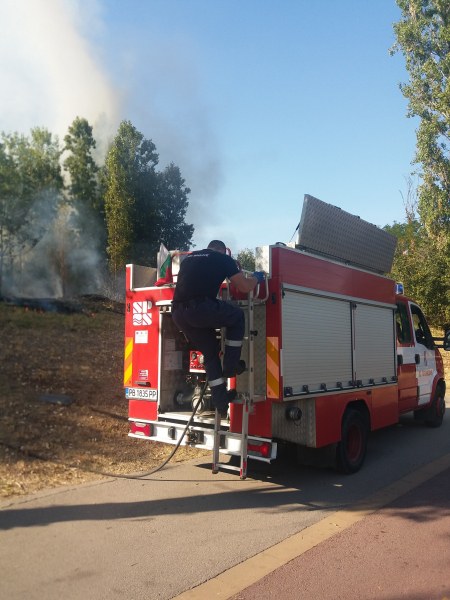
column 420, row 366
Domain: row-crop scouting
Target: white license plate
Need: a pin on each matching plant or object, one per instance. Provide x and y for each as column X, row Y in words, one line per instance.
column 142, row 393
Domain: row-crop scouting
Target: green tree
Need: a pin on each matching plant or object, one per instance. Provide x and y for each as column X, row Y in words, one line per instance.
column 423, row 35
column 143, row 206
column 421, row 267
column 420, row 264
column 36, row 160
column 43, row 161
column 10, row 212
column 246, row 258
column 80, row 164
column 172, row 206
column 30, row 187
column 129, row 197
column 83, row 193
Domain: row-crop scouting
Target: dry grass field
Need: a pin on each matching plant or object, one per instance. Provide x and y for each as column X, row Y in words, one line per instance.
column 64, row 414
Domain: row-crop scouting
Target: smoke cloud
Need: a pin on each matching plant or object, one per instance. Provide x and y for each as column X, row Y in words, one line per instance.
column 50, row 71
column 56, row 253
column 53, row 69
column 166, row 96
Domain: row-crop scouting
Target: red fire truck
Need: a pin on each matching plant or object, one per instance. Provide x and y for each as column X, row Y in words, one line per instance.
column 333, row 347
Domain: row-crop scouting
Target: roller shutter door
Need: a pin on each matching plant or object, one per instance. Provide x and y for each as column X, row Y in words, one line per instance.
column 317, row 348
column 374, row 358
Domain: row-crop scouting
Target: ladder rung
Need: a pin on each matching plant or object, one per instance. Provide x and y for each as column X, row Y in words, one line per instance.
column 228, row 466
column 241, row 400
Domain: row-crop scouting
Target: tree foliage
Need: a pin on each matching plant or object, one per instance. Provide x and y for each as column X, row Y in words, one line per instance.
column 246, row 259
column 143, row 206
column 421, row 267
column 80, row 164
column 423, row 35
column 30, row 188
column 129, row 179
column 59, row 228
column 172, row 206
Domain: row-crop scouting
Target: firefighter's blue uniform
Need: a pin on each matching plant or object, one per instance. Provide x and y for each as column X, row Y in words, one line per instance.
column 198, row 313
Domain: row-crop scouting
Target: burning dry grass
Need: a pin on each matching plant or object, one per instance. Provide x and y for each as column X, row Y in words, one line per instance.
column 64, row 416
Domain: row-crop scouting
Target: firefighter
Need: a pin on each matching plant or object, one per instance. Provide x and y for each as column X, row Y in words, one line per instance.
column 198, row 313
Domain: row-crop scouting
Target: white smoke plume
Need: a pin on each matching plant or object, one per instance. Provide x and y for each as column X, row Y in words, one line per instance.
column 50, row 71
column 58, row 255
column 53, row 69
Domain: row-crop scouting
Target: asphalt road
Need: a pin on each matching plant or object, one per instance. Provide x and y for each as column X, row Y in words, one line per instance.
column 400, row 551
column 157, row 537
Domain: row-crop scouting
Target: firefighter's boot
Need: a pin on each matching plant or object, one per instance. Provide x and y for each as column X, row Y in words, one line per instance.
column 221, row 397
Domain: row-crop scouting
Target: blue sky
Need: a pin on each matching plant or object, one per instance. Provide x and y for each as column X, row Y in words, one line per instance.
column 258, row 102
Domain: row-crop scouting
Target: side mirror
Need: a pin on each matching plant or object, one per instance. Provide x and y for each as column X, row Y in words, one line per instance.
column 446, row 344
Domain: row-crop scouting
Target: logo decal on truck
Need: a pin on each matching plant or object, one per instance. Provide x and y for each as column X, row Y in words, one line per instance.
column 141, row 313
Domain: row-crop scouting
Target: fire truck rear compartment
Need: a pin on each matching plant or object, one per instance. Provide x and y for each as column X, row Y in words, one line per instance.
column 177, row 383
column 177, row 386
column 179, row 389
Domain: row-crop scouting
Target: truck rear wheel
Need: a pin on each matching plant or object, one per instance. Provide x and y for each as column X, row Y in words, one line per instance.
column 435, row 413
column 351, row 450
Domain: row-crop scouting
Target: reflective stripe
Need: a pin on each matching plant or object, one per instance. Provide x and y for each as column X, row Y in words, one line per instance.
column 237, row 343
column 273, row 367
column 128, row 364
column 216, row 382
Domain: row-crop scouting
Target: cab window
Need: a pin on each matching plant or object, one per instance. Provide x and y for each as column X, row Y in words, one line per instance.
column 421, row 330
column 402, row 324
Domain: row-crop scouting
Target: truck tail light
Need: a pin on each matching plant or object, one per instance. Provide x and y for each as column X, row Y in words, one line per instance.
column 144, row 429
column 260, row 449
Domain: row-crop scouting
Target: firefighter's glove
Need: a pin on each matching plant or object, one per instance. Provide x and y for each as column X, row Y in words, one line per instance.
column 260, row 276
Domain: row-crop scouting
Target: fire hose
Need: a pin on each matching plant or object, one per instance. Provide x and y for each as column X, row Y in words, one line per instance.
column 118, row 475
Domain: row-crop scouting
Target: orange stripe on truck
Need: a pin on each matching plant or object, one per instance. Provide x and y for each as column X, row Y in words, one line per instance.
column 273, row 367
column 128, row 364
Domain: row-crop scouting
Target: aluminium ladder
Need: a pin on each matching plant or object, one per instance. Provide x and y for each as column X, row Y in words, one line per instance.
column 246, row 399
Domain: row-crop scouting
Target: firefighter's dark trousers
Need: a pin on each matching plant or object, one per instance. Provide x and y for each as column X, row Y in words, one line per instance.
column 198, row 320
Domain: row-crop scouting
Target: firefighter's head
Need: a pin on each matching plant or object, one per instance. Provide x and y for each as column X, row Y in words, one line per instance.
column 218, row 246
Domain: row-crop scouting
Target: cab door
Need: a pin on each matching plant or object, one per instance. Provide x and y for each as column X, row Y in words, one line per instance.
column 406, row 360
column 424, row 355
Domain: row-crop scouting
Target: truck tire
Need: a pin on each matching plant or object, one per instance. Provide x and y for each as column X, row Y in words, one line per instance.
column 435, row 414
column 351, row 450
